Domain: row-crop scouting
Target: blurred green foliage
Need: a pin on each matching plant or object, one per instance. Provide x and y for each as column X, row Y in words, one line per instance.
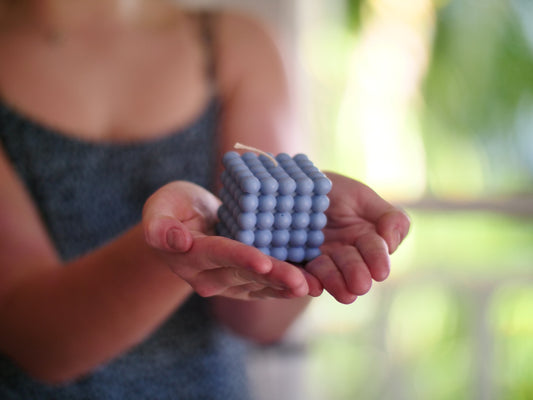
column 513, row 326
column 454, row 319
column 354, row 13
column 478, row 93
column 416, row 336
column 465, row 244
column 480, row 68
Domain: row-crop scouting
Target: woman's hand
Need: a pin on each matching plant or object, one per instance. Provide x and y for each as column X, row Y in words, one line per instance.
column 179, row 222
column 362, row 230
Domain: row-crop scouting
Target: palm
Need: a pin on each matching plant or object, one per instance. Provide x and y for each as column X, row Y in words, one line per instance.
column 179, row 222
column 362, row 230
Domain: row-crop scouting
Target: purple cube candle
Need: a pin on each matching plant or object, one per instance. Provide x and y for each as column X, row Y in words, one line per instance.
column 277, row 206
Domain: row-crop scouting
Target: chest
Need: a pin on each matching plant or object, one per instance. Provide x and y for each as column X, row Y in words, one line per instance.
column 106, row 87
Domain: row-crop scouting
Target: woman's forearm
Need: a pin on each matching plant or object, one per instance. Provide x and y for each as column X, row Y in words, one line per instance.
column 262, row 321
column 63, row 322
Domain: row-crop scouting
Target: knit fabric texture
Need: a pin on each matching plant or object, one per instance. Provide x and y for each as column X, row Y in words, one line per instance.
column 87, row 193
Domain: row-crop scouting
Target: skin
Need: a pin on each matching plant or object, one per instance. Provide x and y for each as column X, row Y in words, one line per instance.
column 95, row 57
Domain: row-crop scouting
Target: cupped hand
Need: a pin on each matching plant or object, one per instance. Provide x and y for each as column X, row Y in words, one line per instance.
column 362, row 230
column 179, row 222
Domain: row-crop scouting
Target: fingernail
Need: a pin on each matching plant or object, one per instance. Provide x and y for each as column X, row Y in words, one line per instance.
column 397, row 238
column 175, row 238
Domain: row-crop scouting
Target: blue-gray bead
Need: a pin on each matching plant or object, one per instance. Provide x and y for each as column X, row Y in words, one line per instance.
column 311, row 253
column 322, row 185
column 280, row 237
column 249, row 184
column 268, row 184
column 286, row 185
column 296, row 254
column 249, row 156
column 267, row 202
column 247, row 202
column 279, row 252
column 300, row 220
column 297, row 237
column 284, row 203
column 315, row 238
column 267, row 162
column 304, row 185
column 282, row 220
column 239, row 171
column 317, row 221
column 246, row 220
column 320, row 203
column 302, row 203
column 283, row 158
column 263, row 238
column 301, row 158
column 230, row 155
column 265, row 220
column 246, row 237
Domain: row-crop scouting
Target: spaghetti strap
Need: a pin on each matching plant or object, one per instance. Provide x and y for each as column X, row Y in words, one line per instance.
column 206, row 21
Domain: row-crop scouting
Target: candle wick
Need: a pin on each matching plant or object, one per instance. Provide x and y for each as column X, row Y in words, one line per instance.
column 241, row 146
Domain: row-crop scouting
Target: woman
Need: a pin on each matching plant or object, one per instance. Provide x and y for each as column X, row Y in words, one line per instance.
column 113, row 117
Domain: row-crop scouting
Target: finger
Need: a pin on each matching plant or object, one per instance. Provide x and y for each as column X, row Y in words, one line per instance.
column 252, row 287
column 393, row 226
column 372, row 205
column 168, row 234
column 374, row 251
column 354, row 269
column 315, row 287
column 288, row 276
column 184, row 201
column 358, row 196
column 271, row 293
column 331, row 278
column 391, row 222
column 230, row 281
column 253, row 291
column 348, row 234
column 223, row 252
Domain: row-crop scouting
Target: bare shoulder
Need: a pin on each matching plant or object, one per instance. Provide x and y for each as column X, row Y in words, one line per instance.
column 246, row 27
column 245, row 45
column 255, row 84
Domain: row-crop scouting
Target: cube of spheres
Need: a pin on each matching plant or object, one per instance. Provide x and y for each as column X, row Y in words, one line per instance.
column 277, row 207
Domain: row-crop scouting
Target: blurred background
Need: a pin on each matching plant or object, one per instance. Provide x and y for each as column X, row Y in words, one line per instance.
column 430, row 102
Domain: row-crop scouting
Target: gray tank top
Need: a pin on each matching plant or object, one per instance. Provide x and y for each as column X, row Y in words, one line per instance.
column 87, row 194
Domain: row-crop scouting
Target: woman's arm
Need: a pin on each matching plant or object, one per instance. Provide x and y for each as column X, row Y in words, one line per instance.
column 362, row 227
column 58, row 321
column 258, row 111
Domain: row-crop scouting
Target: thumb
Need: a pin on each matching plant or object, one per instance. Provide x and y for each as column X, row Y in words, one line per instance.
column 173, row 210
column 393, row 226
column 168, row 234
